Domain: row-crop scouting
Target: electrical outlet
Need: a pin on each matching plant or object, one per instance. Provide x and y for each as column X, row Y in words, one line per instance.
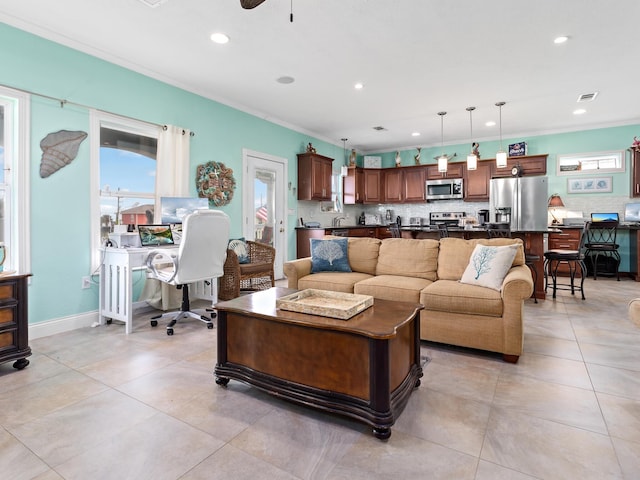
column 86, row 282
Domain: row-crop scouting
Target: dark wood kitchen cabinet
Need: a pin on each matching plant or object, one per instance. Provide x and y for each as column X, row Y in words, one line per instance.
column 414, row 184
column 635, row 172
column 454, row 170
column 353, row 186
column 14, row 322
column 477, row 183
column 531, row 165
column 363, row 185
column 372, row 180
column 392, row 179
column 314, row 177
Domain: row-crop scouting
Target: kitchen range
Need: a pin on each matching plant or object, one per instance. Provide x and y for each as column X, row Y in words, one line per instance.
column 450, row 219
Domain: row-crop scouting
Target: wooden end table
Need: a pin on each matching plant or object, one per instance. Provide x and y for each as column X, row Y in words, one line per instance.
column 364, row 368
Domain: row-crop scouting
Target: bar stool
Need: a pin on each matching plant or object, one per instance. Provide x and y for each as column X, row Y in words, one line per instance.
column 443, row 231
column 573, row 258
column 601, row 241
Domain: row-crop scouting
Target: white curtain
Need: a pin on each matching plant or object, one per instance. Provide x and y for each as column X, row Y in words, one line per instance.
column 172, row 180
column 172, row 172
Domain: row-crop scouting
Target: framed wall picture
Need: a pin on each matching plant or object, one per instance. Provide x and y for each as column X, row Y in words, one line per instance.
column 590, row 185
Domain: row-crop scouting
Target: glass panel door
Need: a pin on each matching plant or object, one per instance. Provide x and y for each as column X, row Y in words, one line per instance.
column 264, row 203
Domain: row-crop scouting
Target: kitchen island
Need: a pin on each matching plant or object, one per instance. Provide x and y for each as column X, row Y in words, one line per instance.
column 533, row 244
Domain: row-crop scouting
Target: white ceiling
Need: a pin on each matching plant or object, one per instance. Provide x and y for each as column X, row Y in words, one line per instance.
column 415, row 58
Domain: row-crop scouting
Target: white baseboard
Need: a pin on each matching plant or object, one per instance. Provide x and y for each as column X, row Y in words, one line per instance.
column 66, row 324
column 63, row 324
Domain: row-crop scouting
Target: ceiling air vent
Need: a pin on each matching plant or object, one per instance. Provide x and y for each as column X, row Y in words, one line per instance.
column 587, row 97
column 380, row 129
column 153, row 3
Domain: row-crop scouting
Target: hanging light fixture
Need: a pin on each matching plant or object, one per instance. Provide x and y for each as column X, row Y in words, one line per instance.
column 442, row 160
column 343, row 170
column 501, row 156
column 472, row 160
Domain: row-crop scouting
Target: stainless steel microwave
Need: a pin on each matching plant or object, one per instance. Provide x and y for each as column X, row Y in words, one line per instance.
column 444, row 189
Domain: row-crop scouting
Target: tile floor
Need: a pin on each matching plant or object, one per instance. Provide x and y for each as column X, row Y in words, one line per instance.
column 97, row 404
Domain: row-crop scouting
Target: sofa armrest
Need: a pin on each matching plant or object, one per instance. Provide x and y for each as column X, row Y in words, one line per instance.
column 296, row 269
column 517, row 284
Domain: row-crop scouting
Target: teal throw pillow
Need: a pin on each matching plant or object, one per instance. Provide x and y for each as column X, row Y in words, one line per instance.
column 329, row 255
column 239, row 246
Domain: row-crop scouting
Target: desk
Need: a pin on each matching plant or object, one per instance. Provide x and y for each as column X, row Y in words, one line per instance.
column 116, row 283
column 629, row 240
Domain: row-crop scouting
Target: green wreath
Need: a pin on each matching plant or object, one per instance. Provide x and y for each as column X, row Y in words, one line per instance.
column 215, row 182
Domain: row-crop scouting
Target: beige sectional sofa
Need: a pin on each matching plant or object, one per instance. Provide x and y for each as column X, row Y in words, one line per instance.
column 429, row 272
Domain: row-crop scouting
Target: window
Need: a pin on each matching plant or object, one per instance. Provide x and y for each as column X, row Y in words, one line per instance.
column 591, row 163
column 124, row 170
column 14, row 191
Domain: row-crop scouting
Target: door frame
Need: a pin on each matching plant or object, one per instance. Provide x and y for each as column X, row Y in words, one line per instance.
column 248, row 201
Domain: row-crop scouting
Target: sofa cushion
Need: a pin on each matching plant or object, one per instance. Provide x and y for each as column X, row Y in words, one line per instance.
column 329, row 255
column 392, row 287
column 455, row 254
column 333, row 281
column 498, row 242
column 363, row 254
column 488, row 265
column 408, row 258
column 454, row 297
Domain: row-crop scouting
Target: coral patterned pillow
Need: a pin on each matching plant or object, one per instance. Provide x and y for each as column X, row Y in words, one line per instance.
column 489, row 265
column 329, row 255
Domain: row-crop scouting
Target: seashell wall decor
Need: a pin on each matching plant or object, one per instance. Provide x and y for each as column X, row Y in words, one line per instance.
column 58, row 150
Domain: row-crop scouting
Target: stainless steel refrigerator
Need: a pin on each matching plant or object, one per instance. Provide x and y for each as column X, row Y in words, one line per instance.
column 520, row 201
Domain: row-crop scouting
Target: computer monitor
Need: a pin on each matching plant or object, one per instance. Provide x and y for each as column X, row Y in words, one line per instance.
column 604, row 217
column 155, row 235
column 632, row 212
column 174, row 209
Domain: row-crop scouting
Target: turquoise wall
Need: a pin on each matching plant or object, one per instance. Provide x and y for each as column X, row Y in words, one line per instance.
column 60, row 204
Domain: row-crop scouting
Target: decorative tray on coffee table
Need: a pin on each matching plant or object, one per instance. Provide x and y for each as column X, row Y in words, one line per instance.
column 325, row 303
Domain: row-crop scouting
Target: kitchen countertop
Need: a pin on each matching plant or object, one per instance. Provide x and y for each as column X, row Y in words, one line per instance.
column 428, row 228
column 342, row 227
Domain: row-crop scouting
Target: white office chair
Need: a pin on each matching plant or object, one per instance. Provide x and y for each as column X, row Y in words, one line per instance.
column 200, row 256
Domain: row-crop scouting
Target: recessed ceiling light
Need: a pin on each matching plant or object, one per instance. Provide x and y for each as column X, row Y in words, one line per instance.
column 579, row 111
column 153, row 3
column 220, row 38
column 285, row 79
column 490, row 123
column 415, row 134
column 358, row 86
column 560, row 39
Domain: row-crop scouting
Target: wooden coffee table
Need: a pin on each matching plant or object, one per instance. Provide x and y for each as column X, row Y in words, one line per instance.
column 365, row 367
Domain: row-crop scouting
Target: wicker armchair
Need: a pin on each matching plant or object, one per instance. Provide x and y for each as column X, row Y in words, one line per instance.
column 255, row 275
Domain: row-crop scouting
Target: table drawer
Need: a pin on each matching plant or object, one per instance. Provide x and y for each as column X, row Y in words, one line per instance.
column 8, row 293
column 7, row 317
column 7, row 339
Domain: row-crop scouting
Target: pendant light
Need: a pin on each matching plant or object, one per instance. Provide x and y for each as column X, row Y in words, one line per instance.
column 472, row 160
column 442, row 160
column 501, row 156
column 343, row 169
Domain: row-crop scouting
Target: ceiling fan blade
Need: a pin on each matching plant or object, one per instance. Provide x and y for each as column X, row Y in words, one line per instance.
column 248, row 4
